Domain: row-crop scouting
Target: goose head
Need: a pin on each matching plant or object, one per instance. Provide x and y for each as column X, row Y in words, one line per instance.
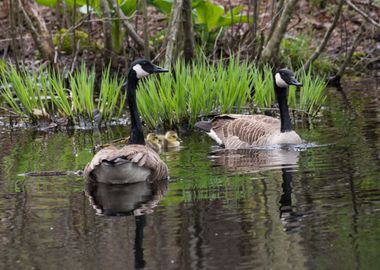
column 142, row 68
column 284, row 78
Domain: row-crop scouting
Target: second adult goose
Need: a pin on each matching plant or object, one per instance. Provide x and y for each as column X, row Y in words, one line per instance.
column 134, row 162
column 235, row 131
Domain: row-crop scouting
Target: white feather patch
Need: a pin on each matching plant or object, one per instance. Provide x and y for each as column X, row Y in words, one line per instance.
column 140, row 72
column 215, row 137
column 279, row 81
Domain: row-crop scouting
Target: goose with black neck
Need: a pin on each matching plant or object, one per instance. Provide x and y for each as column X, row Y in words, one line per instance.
column 134, row 162
column 235, row 131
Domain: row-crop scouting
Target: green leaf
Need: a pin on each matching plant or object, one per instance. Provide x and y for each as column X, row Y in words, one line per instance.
column 209, row 14
column 164, row 6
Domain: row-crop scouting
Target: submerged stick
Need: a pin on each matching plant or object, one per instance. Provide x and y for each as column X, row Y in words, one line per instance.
column 52, row 173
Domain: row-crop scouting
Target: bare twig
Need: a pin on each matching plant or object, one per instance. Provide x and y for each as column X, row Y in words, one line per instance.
column 347, row 61
column 361, row 12
column 327, row 35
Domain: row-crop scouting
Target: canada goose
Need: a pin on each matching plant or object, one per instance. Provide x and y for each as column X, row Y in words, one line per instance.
column 170, row 139
column 134, row 162
column 235, row 131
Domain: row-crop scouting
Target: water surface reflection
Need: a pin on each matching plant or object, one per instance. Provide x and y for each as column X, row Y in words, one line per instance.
column 311, row 209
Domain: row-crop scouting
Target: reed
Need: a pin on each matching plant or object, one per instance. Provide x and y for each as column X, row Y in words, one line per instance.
column 169, row 100
column 49, row 94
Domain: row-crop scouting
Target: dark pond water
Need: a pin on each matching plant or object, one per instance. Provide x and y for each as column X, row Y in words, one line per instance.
column 316, row 208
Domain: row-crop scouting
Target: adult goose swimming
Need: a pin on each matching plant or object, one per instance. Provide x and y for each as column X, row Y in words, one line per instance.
column 134, row 162
column 234, row 131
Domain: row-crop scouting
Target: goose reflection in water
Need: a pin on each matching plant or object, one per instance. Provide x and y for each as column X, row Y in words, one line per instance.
column 263, row 159
column 136, row 199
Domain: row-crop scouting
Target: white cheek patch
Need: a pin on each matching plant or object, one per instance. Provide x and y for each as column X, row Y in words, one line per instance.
column 215, row 137
column 279, row 81
column 140, row 72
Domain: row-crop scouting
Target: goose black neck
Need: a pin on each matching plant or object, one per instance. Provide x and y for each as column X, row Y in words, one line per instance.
column 282, row 99
column 137, row 134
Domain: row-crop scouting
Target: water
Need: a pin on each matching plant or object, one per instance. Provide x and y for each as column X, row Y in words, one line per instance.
column 306, row 208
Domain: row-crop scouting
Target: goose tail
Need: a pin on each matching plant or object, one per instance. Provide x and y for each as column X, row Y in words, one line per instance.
column 204, row 125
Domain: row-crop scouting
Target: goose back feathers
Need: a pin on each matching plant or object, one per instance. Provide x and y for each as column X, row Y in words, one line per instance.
column 129, row 164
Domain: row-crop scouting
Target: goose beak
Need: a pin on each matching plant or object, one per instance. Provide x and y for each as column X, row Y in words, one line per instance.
column 293, row 81
column 157, row 69
column 179, row 139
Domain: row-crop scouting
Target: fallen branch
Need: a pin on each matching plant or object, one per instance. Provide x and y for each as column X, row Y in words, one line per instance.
column 52, row 173
column 361, row 12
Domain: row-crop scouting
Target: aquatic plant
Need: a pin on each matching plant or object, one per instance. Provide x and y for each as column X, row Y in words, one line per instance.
column 210, row 88
column 49, row 94
column 22, row 93
column 194, row 90
column 170, row 100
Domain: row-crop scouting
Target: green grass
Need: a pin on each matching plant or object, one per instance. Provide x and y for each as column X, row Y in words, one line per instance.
column 169, row 100
column 192, row 91
column 203, row 89
column 73, row 98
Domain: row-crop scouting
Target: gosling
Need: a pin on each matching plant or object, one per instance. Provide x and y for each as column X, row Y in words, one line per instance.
column 170, row 140
column 153, row 141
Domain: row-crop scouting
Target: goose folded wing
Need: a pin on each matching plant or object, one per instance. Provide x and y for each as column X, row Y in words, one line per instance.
column 141, row 155
column 234, row 130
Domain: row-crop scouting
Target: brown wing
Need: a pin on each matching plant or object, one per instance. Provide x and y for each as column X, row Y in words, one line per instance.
column 139, row 154
column 241, row 131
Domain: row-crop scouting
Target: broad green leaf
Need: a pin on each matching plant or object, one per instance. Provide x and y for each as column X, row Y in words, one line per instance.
column 209, row 14
column 164, row 6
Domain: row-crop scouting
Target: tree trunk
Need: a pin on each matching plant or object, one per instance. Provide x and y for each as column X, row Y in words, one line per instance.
column 146, row 31
column 40, row 33
column 270, row 51
column 107, row 28
column 188, row 48
column 175, row 24
column 327, row 36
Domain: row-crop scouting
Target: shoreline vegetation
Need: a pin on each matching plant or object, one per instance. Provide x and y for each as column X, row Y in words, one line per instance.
column 168, row 101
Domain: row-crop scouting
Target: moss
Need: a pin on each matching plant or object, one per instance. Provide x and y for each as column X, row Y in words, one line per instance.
column 63, row 38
